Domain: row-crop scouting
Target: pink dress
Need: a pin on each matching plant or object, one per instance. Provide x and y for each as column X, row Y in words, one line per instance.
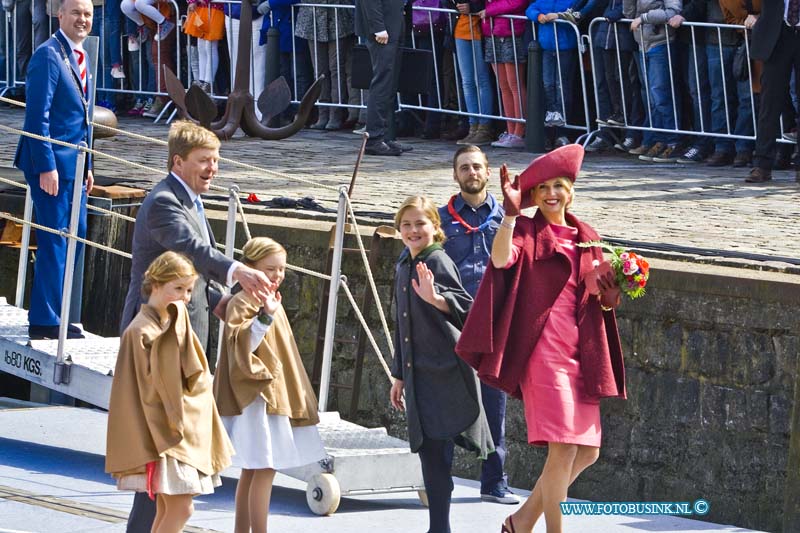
column 556, row 408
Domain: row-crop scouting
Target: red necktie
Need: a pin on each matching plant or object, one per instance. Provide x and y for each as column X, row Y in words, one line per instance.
column 793, row 12
column 81, row 68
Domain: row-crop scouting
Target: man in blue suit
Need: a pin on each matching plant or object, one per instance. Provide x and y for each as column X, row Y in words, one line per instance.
column 58, row 93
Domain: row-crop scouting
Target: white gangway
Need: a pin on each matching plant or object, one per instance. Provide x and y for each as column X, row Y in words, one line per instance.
column 360, row 461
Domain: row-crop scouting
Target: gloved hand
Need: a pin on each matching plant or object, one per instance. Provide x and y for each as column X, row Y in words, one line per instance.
column 614, row 17
column 263, row 8
column 512, row 197
column 8, row 5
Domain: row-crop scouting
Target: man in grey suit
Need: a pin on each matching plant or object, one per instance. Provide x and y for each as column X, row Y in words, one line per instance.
column 172, row 218
column 382, row 24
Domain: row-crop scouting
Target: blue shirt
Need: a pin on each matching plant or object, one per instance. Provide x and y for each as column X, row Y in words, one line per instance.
column 470, row 251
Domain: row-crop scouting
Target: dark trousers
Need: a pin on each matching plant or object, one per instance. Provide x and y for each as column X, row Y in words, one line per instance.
column 143, row 513
column 27, row 43
column 436, row 457
column 385, row 60
column 494, row 405
column 774, row 87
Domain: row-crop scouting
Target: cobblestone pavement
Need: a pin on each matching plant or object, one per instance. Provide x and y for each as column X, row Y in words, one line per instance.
column 672, row 205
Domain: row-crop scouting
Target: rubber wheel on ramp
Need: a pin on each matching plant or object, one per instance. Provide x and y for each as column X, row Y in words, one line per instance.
column 323, row 494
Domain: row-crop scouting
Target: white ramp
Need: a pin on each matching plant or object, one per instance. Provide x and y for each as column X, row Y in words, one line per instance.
column 92, row 358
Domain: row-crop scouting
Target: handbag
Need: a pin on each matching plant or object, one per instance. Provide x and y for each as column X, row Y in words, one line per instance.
column 741, row 68
column 416, row 69
column 421, row 19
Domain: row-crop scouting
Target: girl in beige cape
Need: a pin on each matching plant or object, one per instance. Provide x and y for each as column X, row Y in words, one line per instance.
column 165, row 436
column 262, row 390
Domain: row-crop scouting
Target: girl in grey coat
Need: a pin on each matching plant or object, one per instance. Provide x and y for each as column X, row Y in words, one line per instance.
column 437, row 389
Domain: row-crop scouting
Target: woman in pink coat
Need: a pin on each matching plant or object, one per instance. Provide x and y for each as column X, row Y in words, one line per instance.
column 538, row 333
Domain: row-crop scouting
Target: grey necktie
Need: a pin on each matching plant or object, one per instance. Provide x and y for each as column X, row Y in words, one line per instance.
column 201, row 215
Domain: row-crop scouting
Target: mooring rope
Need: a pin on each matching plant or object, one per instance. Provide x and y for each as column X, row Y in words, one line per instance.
column 370, row 277
column 65, row 234
column 88, row 206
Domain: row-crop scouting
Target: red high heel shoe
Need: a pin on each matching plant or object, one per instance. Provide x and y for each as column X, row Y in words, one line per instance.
column 504, row 529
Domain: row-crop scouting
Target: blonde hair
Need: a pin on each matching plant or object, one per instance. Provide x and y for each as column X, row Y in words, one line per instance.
column 258, row 248
column 185, row 136
column 167, row 267
column 426, row 206
column 567, row 183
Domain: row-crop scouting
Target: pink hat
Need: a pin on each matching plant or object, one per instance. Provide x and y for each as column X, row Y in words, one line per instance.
column 564, row 162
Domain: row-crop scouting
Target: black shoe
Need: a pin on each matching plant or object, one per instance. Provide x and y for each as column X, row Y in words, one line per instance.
column 759, row 175
column 397, row 146
column 627, row 145
column 616, row 120
column 692, row 155
column 381, row 148
column 51, row 332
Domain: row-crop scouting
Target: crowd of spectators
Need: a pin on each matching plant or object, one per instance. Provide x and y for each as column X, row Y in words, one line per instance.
column 655, row 73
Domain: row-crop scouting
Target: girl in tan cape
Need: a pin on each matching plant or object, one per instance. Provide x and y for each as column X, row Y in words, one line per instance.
column 165, row 436
column 263, row 392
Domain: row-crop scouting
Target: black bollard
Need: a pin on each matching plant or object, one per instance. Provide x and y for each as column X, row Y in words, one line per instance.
column 534, row 121
column 273, row 69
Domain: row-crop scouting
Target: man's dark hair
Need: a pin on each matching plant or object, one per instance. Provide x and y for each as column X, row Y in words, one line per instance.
column 466, row 149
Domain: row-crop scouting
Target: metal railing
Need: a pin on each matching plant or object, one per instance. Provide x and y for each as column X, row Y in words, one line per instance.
column 704, row 103
column 306, row 68
column 340, row 94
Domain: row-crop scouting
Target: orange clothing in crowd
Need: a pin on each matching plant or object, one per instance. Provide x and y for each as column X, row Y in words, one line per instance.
column 462, row 30
column 735, row 11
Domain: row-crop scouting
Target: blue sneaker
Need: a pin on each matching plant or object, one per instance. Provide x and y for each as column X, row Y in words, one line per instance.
column 500, row 494
column 164, row 29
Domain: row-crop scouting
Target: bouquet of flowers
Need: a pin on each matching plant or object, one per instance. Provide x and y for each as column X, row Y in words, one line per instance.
column 631, row 271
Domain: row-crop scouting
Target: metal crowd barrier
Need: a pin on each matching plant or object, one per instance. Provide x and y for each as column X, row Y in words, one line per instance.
column 503, row 114
column 434, row 102
column 341, row 96
column 11, row 78
column 37, row 14
column 144, row 58
column 343, row 43
column 704, row 100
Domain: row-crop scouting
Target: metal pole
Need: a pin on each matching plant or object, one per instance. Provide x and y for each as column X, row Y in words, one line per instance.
column 230, row 224
column 534, row 127
column 22, row 269
column 230, row 244
column 61, row 374
column 330, row 324
column 273, row 56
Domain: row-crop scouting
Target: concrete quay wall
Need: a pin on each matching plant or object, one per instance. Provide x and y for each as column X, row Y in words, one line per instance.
column 711, row 358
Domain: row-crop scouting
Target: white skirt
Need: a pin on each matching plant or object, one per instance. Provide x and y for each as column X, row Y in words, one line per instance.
column 262, row 440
